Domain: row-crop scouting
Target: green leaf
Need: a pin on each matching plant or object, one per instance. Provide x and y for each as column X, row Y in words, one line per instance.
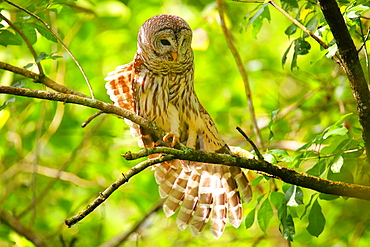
column 9, row 38
column 288, row 5
column 328, row 197
column 30, row 32
column 249, row 220
column 318, row 169
column 45, row 32
column 311, row 25
column 273, row 116
column 337, row 164
column 56, row 57
column 345, row 175
column 20, row 84
column 294, row 65
column 12, row 99
column 293, row 196
column 342, row 118
column 356, row 11
column 285, row 55
column 316, row 220
column 281, row 155
column 276, row 199
column 29, row 65
column 287, row 224
column 257, row 19
column 41, row 56
column 336, row 131
column 269, row 158
column 256, row 180
column 291, row 29
column 264, row 215
column 301, row 46
column 308, row 205
column 286, row 228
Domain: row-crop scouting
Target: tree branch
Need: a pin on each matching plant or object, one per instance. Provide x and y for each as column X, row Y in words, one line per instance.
column 242, row 72
column 352, row 65
column 92, row 103
column 285, row 174
column 40, row 79
column 298, row 24
column 113, row 187
column 60, row 41
column 29, row 45
column 17, row 226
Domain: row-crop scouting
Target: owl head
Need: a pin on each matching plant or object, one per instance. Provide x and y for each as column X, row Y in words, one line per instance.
column 165, row 40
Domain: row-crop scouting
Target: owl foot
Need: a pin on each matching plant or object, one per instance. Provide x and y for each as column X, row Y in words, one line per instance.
column 175, row 138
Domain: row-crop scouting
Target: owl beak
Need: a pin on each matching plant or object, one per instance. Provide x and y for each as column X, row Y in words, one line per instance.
column 174, row 56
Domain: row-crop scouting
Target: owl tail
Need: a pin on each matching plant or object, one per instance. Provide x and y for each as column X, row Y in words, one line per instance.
column 205, row 192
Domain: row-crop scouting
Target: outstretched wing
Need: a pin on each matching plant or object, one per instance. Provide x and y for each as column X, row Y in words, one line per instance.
column 121, row 90
column 120, row 86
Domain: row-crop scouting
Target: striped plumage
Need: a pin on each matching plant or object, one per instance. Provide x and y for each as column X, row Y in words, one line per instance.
column 159, row 86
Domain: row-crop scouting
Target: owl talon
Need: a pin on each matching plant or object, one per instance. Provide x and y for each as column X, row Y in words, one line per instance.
column 175, row 138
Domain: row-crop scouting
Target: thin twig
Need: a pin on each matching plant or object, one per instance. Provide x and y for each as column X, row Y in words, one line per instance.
column 113, row 187
column 40, row 79
column 259, row 155
column 29, row 45
column 298, row 24
column 122, row 237
column 84, row 124
column 61, row 42
column 242, row 72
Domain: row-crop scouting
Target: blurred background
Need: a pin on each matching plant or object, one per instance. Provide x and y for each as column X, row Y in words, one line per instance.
column 51, row 168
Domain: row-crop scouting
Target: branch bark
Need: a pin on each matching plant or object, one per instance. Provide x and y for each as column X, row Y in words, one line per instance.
column 92, row 103
column 352, row 65
column 40, row 79
column 285, row 174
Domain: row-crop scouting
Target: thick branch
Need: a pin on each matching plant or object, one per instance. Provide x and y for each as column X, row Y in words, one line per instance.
column 17, row 226
column 352, row 65
column 285, row 174
column 92, row 103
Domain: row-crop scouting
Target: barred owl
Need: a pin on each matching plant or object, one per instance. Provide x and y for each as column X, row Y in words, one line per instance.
column 159, row 86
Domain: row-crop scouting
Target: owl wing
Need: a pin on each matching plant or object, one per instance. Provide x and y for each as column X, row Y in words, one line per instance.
column 121, row 90
column 120, row 86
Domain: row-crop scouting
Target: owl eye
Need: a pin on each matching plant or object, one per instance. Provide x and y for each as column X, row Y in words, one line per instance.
column 165, row 42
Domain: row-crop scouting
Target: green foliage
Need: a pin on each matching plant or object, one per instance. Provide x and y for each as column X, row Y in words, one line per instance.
column 316, row 220
column 264, row 214
column 48, row 159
